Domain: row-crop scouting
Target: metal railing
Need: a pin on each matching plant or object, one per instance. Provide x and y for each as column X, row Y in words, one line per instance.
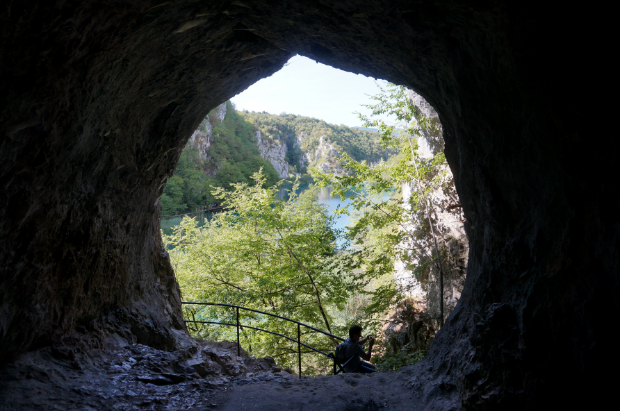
column 298, row 340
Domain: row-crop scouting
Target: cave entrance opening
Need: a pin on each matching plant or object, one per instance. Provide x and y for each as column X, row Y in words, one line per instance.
column 323, row 114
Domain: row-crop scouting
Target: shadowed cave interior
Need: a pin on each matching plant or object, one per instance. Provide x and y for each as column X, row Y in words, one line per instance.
column 98, row 99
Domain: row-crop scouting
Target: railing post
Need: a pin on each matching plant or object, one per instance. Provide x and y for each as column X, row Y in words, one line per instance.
column 238, row 344
column 299, row 347
column 238, row 325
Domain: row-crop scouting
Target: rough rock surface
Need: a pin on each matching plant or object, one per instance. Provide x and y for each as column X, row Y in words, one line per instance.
column 409, row 324
column 400, row 391
column 124, row 376
column 273, row 151
column 98, row 99
column 127, row 376
column 202, row 138
column 325, row 157
column 415, row 320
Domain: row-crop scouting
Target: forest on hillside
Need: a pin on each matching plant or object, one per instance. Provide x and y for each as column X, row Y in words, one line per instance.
column 233, row 156
column 302, row 135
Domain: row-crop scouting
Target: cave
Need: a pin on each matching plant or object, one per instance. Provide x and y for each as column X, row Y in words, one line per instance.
column 97, row 100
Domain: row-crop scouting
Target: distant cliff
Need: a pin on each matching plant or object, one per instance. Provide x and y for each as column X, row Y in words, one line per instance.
column 202, row 137
column 229, row 146
column 309, row 142
column 222, row 151
column 273, row 151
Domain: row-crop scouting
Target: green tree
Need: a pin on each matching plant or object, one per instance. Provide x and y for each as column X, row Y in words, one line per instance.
column 189, row 187
column 232, row 158
column 275, row 256
column 392, row 228
column 172, row 199
column 233, row 155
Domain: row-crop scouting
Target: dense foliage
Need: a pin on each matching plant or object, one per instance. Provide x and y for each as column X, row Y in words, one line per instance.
column 233, row 158
column 280, row 256
column 233, row 155
column 402, row 358
column 189, row 187
column 389, row 229
column 270, row 255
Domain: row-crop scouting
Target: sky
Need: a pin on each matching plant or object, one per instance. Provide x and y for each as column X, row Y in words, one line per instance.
column 307, row 88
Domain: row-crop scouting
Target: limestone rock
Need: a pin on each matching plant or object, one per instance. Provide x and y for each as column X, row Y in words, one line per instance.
column 201, row 137
column 274, row 151
column 74, row 376
column 448, row 226
column 204, row 365
column 410, row 325
column 221, row 359
column 325, row 157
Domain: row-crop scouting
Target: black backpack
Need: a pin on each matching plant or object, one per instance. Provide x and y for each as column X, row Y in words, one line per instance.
column 340, row 353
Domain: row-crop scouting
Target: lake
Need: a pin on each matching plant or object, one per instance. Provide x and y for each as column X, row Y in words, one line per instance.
column 324, row 197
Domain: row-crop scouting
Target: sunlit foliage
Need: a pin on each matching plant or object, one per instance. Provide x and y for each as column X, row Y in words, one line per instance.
column 232, row 158
column 387, row 229
column 274, row 256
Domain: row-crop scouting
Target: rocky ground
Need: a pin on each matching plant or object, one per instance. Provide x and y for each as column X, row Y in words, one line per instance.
column 344, row 392
column 210, row 376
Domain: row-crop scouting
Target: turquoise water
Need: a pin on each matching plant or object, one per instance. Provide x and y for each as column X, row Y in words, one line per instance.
column 333, row 203
column 324, row 197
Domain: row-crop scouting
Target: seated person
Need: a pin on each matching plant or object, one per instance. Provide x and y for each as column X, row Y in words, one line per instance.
column 352, row 347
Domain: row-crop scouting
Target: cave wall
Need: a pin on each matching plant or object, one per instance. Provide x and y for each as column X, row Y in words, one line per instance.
column 96, row 105
column 98, row 98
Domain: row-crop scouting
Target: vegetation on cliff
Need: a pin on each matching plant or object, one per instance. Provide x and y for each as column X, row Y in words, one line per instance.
column 401, row 228
column 232, row 158
column 233, row 155
column 272, row 255
column 303, row 135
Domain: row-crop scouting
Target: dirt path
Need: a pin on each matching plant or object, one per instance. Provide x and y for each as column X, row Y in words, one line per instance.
column 141, row 378
column 348, row 392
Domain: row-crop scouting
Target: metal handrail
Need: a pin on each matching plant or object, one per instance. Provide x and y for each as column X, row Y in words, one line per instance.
column 259, row 329
column 266, row 313
column 298, row 340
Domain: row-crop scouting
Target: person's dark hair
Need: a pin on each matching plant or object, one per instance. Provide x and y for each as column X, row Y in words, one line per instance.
column 355, row 330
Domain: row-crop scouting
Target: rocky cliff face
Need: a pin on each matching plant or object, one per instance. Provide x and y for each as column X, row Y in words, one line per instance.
column 324, row 157
column 202, row 137
column 271, row 148
column 415, row 321
column 448, row 224
column 309, row 142
column 274, row 151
